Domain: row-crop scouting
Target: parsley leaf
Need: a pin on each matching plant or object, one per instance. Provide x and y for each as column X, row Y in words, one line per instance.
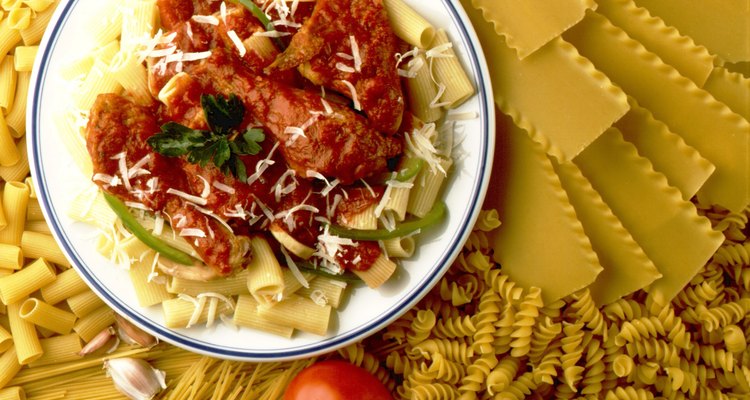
column 221, row 145
column 222, row 113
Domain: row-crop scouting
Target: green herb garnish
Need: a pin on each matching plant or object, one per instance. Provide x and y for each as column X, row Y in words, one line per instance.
column 221, row 144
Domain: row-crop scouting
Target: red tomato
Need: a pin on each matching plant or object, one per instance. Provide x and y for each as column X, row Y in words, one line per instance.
column 335, row 380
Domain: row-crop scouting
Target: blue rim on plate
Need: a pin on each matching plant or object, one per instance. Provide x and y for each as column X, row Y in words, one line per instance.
column 478, row 66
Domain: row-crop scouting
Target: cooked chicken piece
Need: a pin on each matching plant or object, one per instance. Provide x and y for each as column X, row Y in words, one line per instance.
column 116, row 140
column 313, row 136
column 350, row 42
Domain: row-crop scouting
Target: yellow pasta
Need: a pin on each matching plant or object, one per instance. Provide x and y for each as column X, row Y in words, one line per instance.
column 98, row 81
column 67, row 284
column 38, row 5
column 9, row 366
column 23, row 58
column 29, row 279
column 378, row 273
column 33, row 33
column 290, row 243
column 179, row 312
column 449, row 72
column 10, row 4
column 38, row 226
column 264, row 279
column 16, row 117
column 325, row 290
column 74, row 143
column 90, row 325
column 8, row 37
column 59, row 349
column 6, row 340
column 84, row 303
column 40, row 245
column 9, row 154
column 12, row 393
column 107, row 29
column 91, row 208
column 25, row 338
column 246, row 314
column 364, row 220
column 8, row 77
column 426, row 188
column 15, row 199
column 148, row 291
column 19, row 18
column 33, row 210
column 422, row 92
column 230, row 286
column 262, row 46
column 42, row 314
column 400, row 247
column 131, row 75
column 138, row 21
column 408, row 24
column 11, row 256
column 20, row 169
column 299, row 313
column 77, row 68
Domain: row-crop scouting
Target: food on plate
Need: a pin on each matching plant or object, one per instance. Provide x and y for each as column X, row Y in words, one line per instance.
column 265, row 149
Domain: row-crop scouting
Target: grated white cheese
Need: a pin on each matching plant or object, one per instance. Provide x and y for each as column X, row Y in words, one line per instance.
column 211, row 214
column 223, row 187
column 330, row 187
column 138, row 206
column 192, row 232
column 295, row 270
column 280, row 189
column 272, row 34
column 440, row 51
column 237, row 42
column 418, row 143
column 137, row 169
column 345, row 56
column 331, row 208
column 223, row 12
column 237, row 212
column 344, row 68
column 152, row 184
column 189, row 30
column 195, row 56
column 388, row 220
column 264, row 208
column 205, row 19
column 369, row 188
column 319, row 297
column 108, row 179
column 158, row 224
column 327, row 107
column 206, row 187
column 355, row 54
column 461, row 116
column 189, row 197
column 262, row 165
column 296, row 132
column 435, row 103
column 353, row 92
column 315, row 174
column 122, row 165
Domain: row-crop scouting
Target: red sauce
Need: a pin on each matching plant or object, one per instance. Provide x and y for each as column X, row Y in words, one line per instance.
column 359, row 257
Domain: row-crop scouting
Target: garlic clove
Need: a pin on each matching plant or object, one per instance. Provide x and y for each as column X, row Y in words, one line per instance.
column 101, row 339
column 131, row 334
column 135, row 378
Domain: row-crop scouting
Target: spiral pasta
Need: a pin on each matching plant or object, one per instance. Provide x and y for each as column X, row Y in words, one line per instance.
column 588, row 313
column 524, row 321
column 458, row 350
column 725, row 314
column 421, row 326
column 628, row 393
column 457, row 327
column 543, row 335
column 572, row 352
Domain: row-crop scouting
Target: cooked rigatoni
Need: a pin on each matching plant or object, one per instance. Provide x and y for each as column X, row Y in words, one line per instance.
column 246, row 314
column 33, row 209
column 27, row 280
column 183, row 313
column 400, row 247
column 426, row 188
column 15, row 200
column 40, row 245
column 25, row 338
column 290, row 243
column 448, row 70
column 265, row 280
column 299, row 313
column 378, row 273
column 33, row 33
column 324, row 290
column 67, row 284
column 422, row 92
column 138, row 21
column 408, row 24
column 42, row 314
column 232, row 285
column 131, row 75
column 364, row 220
column 11, row 256
column 148, row 291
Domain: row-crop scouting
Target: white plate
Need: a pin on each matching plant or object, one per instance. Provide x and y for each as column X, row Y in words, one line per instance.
column 365, row 311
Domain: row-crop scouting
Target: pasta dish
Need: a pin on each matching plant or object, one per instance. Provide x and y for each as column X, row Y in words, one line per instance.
column 257, row 154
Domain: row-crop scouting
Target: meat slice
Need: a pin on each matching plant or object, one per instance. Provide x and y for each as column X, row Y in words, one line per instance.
column 126, row 166
column 329, row 139
column 173, row 12
column 350, row 28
